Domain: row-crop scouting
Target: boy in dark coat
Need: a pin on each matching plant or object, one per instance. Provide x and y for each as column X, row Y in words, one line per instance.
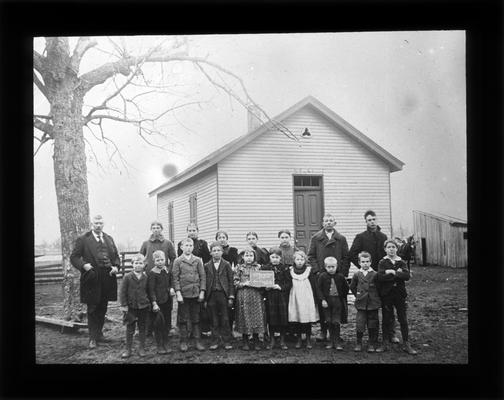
column 189, row 282
column 367, row 302
column 219, row 296
column 392, row 273
column 135, row 302
column 332, row 291
column 161, row 291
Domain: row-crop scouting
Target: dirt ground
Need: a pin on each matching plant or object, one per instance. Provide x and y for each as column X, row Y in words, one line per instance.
column 437, row 316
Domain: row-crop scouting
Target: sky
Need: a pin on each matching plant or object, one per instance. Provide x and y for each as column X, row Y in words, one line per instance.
column 406, row 91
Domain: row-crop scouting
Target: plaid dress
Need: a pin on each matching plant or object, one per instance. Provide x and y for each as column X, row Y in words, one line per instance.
column 277, row 301
column 249, row 310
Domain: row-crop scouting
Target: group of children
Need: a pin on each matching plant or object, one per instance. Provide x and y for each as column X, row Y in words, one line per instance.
column 289, row 306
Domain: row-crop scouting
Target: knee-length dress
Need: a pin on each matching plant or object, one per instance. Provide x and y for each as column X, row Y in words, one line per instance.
column 277, row 301
column 301, row 300
column 250, row 315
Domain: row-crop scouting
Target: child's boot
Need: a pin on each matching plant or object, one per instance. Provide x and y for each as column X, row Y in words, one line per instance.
column 358, row 346
column 283, row 346
column 166, row 347
column 197, row 336
column 159, row 342
column 384, row 345
column 129, row 344
column 183, row 337
column 373, row 338
column 245, row 342
column 323, row 334
column 271, row 343
column 331, row 342
column 408, row 349
column 337, row 339
column 309, row 344
column 141, row 347
column 298, row 342
column 255, row 339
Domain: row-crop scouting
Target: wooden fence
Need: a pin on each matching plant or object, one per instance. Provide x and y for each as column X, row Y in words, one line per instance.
column 50, row 272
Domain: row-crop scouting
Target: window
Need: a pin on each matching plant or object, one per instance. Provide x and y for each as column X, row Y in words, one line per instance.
column 193, row 208
column 171, row 228
column 465, row 235
column 306, row 180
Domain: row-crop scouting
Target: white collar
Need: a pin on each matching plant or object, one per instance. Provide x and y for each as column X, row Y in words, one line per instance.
column 96, row 236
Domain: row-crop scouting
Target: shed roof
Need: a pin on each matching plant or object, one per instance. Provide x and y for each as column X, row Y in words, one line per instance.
column 451, row 220
column 213, row 158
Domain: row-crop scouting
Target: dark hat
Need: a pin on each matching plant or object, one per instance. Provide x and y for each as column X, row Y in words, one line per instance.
column 159, row 320
column 128, row 318
column 88, row 277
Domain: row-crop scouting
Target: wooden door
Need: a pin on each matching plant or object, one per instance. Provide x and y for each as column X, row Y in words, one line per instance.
column 307, row 214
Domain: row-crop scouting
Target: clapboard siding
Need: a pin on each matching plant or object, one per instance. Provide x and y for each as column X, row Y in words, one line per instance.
column 255, row 182
column 445, row 243
column 205, row 186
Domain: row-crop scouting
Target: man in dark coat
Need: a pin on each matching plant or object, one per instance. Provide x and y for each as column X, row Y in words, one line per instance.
column 95, row 256
column 371, row 241
column 328, row 243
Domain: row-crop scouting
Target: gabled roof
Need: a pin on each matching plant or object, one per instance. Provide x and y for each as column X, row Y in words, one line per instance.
column 218, row 155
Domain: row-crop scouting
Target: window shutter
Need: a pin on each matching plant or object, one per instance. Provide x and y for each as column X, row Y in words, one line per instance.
column 171, row 228
column 193, row 208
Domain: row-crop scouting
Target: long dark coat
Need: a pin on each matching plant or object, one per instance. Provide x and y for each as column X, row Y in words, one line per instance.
column 321, row 247
column 369, row 241
column 96, row 285
column 277, row 301
column 324, row 286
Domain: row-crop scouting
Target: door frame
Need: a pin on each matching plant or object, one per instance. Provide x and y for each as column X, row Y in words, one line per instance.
column 307, row 188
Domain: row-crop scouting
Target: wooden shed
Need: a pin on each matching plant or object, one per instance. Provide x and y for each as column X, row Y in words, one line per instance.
column 263, row 181
column 441, row 240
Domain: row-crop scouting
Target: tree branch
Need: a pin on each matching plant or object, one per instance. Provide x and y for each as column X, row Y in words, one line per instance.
column 83, row 44
column 43, row 126
column 38, row 62
column 40, row 85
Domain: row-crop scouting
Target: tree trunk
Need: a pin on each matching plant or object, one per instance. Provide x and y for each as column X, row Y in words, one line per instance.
column 70, row 176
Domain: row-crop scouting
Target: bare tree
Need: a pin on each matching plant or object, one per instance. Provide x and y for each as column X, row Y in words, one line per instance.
column 56, row 74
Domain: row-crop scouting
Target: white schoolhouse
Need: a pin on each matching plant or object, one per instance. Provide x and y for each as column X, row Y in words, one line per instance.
column 263, row 181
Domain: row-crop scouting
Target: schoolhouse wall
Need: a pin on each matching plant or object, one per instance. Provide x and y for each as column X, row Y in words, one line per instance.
column 256, row 181
column 205, row 185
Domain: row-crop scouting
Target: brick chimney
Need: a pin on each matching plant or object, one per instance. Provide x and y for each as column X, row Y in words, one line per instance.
column 253, row 113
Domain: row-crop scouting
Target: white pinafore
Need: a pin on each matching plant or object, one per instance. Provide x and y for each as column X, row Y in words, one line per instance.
column 301, row 302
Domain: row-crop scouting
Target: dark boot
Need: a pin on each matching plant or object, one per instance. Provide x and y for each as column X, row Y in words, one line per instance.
column 197, row 336
column 323, row 334
column 183, row 337
column 245, row 342
column 255, row 339
column 309, row 344
column 271, row 342
column 166, row 346
column 158, row 336
column 373, row 339
column 358, row 346
column 408, row 349
column 331, row 343
column 141, row 347
column 283, row 346
column 299, row 341
column 337, row 339
column 384, row 346
column 129, row 344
